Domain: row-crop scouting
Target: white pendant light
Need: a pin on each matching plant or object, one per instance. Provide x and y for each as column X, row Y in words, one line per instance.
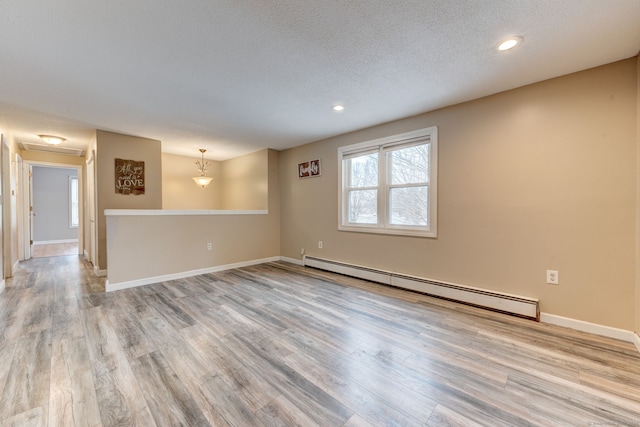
column 202, row 165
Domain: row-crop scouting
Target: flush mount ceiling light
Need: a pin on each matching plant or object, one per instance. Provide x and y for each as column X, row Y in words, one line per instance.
column 51, row 139
column 510, row 43
column 202, row 165
column 338, row 108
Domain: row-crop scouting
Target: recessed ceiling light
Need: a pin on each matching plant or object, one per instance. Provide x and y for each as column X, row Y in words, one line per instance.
column 510, row 43
column 338, row 108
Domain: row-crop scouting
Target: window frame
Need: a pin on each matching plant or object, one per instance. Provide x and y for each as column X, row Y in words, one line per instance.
column 383, row 146
column 71, row 179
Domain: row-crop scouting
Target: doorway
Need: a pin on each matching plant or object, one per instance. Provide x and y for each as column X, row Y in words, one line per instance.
column 53, row 210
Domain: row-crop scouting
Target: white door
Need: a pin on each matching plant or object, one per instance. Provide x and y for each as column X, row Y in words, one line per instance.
column 25, row 202
column 20, row 203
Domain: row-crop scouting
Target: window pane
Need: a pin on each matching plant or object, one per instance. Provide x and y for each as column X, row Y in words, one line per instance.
column 363, row 171
column 409, row 165
column 363, row 206
column 409, row 206
column 74, row 220
column 388, row 185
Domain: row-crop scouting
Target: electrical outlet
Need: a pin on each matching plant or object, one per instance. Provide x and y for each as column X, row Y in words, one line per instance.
column 552, row 277
column 319, row 244
column 209, row 246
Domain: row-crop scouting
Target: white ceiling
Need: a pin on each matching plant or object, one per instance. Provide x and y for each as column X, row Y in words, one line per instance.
column 235, row 76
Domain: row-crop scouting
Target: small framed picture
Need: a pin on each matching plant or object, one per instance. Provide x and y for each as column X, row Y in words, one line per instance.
column 309, row 169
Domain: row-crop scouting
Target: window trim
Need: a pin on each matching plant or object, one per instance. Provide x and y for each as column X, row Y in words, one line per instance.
column 384, row 145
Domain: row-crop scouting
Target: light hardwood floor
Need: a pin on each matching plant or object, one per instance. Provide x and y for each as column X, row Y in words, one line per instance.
column 54, row 249
column 280, row 345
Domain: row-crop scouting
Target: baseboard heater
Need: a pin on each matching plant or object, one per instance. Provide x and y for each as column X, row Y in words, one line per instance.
column 507, row 303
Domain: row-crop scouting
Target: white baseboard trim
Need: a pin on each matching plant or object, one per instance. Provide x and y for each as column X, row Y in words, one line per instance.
column 592, row 328
column 52, row 242
column 636, row 340
column 99, row 273
column 2, row 286
column 291, row 260
column 110, row 287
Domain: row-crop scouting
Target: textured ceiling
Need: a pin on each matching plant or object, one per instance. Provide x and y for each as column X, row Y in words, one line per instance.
column 240, row 75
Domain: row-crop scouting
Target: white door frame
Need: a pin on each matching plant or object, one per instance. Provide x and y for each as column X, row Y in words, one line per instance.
column 21, row 234
column 7, row 250
column 27, row 193
column 4, row 233
column 92, row 208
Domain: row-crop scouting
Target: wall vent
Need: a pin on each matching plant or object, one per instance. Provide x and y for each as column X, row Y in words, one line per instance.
column 28, row 146
column 507, row 303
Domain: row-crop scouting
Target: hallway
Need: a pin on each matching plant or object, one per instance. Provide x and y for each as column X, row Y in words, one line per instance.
column 54, row 249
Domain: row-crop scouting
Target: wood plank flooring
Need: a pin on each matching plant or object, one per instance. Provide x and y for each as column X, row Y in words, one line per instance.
column 54, row 249
column 281, row 345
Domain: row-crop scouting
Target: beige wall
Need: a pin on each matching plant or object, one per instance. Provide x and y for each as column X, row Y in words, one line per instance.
column 541, row 177
column 89, row 195
column 179, row 191
column 109, row 147
column 176, row 244
column 238, row 184
column 6, row 175
column 173, row 244
column 4, row 130
column 246, row 181
column 10, row 175
column 273, row 190
column 9, row 224
column 37, row 156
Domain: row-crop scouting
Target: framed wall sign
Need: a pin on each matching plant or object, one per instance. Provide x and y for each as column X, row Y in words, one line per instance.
column 129, row 177
column 309, row 169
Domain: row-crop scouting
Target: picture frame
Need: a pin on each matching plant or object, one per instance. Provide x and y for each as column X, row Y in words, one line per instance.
column 129, row 177
column 309, row 169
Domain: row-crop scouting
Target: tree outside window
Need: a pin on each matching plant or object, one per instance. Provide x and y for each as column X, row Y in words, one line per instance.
column 389, row 185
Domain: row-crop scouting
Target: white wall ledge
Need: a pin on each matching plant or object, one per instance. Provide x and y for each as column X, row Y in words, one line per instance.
column 166, row 212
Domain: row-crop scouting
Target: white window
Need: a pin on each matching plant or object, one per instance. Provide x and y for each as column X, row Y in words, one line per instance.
column 389, row 185
column 74, row 217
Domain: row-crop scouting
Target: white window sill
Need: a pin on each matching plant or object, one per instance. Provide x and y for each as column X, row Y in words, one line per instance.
column 393, row 231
